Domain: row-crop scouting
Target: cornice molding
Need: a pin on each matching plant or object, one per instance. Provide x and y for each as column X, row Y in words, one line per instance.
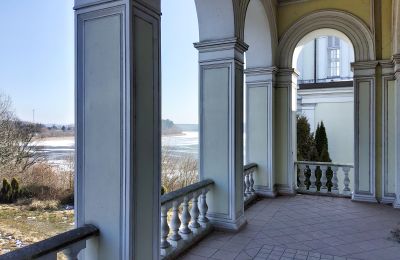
column 222, row 44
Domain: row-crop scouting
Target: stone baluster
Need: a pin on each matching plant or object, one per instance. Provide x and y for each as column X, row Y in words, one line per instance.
column 302, row 177
column 313, row 178
column 164, row 245
column 251, row 176
column 72, row 252
column 324, row 188
column 335, row 181
column 247, row 185
column 194, row 212
column 185, row 218
column 203, row 208
column 175, row 224
column 346, row 190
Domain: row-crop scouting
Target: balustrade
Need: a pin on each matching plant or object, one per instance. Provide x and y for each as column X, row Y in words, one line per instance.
column 183, row 218
column 248, row 182
column 320, row 177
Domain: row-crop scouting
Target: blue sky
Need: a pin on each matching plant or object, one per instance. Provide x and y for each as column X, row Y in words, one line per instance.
column 37, row 59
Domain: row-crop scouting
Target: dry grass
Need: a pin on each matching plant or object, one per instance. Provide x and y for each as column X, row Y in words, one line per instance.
column 177, row 172
column 20, row 225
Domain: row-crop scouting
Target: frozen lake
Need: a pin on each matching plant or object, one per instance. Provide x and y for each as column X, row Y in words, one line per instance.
column 59, row 150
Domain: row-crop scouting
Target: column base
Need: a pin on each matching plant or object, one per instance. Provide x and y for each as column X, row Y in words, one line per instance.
column 364, row 198
column 396, row 203
column 265, row 191
column 284, row 189
column 388, row 200
column 228, row 225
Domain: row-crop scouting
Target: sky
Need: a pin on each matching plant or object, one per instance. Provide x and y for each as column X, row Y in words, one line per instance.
column 37, row 60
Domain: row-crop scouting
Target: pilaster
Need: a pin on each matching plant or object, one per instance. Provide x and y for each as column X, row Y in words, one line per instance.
column 259, row 127
column 388, row 132
column 285, row 95
column 396, row 61
column 364, row 140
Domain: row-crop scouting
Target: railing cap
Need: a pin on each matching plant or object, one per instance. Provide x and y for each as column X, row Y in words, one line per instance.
column 249, row 166
column 171, row 196
column 325, row 164
column 53, row 244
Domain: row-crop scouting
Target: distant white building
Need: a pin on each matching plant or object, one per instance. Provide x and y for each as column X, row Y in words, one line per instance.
column 326, row 92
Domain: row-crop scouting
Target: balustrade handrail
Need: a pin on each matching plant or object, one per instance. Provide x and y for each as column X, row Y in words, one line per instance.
column 326, row 163
column 171, row 196
column 53, row 244
column 249, row 166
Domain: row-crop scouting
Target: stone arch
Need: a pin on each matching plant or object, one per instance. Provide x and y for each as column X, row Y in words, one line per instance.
column 356, row 30
column 260, row 34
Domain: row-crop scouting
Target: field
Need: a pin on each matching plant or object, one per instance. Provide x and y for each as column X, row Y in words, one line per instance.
column 20, row 225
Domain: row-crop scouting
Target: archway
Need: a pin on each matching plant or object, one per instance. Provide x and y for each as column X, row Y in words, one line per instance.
column 325, row 96
column 364, row 86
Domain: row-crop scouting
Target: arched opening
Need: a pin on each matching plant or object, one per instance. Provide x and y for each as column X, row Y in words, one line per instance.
column 325, row 104
column 364, row 67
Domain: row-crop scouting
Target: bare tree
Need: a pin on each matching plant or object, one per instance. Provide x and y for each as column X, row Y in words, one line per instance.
column 177, row 171
column 17, row 150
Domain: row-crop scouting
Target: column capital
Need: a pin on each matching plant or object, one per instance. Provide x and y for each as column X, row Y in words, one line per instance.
column 286, row 77
column 260, row 75
column 221, row 49
column 364, row 68
column 387, row 67
column 273, row 70
column 396, row 62
column 221, row 44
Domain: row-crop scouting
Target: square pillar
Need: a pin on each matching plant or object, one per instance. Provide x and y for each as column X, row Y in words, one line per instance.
column 396, row 60
column 285, row 152
column 118, row 127
column 221, row 129
column 259, row 127
column 364, row 126
column 388, row 151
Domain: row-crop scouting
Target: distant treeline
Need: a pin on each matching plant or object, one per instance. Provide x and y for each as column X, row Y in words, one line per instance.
column 169, row 128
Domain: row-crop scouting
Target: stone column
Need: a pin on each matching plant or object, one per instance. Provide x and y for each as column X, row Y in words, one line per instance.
column 364, row 128
column 285, row 154
column 259, row 127
column 118, row 126
column 396, row 60
column 221, row 128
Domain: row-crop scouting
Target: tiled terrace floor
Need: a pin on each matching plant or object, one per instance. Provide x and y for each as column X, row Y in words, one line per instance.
column 307, row 227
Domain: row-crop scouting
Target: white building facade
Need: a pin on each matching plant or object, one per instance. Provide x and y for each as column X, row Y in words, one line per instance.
column 326, row 92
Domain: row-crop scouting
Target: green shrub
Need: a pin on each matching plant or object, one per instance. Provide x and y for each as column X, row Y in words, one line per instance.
column 10, row 193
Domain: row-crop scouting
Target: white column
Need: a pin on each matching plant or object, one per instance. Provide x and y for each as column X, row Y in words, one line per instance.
column 259, row 122
column 364, row 124
column 118, row 131
column 221, row 128
column 396, row 59
column 285, row 130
